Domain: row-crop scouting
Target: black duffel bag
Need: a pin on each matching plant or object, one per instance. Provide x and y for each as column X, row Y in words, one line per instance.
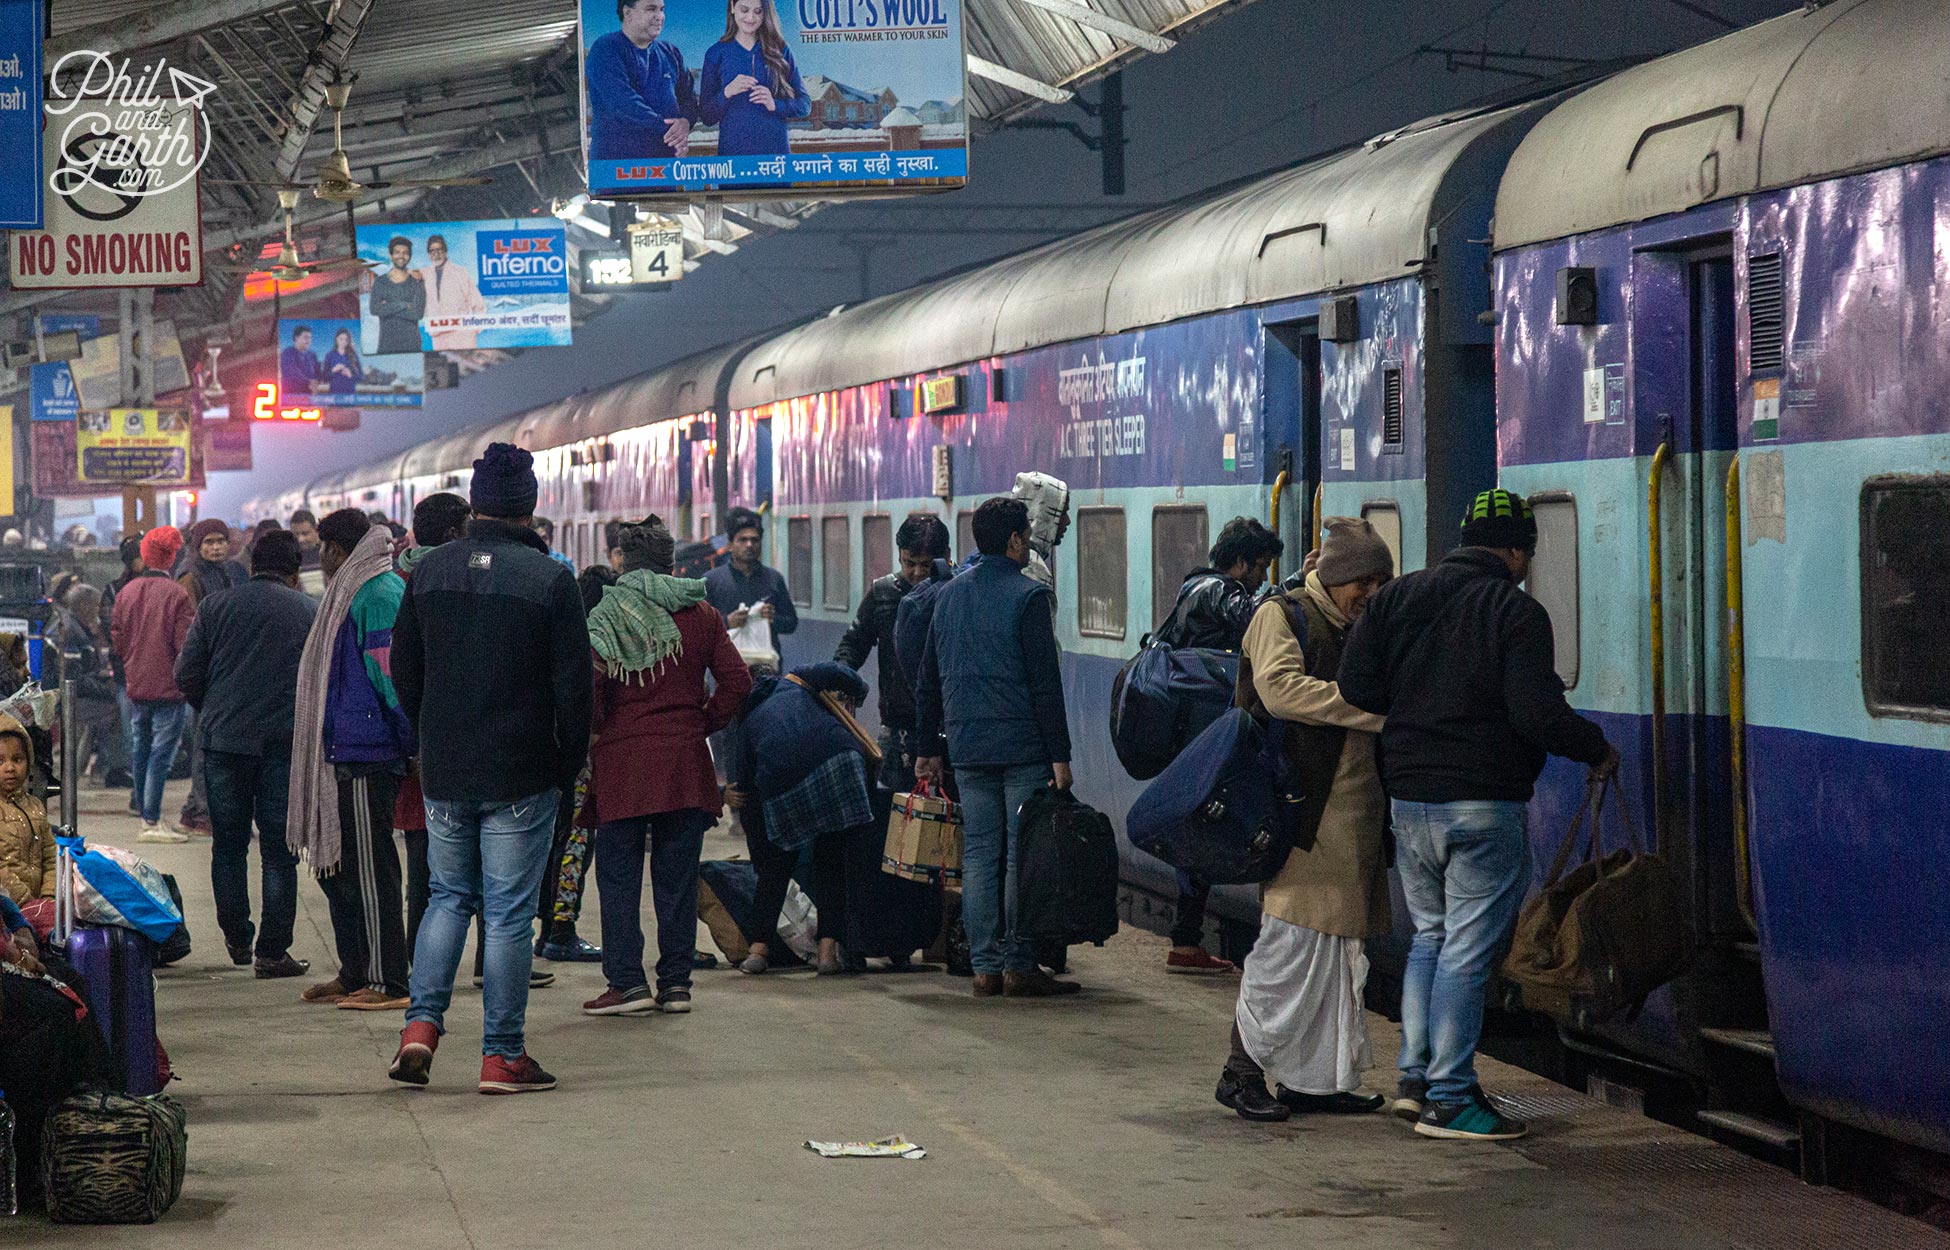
column 1595, row 941
column 1163, row 698
column 1066, row 880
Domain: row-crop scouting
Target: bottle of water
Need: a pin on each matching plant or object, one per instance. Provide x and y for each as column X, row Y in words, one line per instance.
column 9, row 1192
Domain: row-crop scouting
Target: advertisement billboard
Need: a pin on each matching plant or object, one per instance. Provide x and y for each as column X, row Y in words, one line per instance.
column 447, row 286
column 320, row 365
column 126, row 445
column 773, row 96
column 98, row 370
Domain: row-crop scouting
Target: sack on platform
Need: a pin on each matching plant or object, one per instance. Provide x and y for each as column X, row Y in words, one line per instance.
column 113, row 1158
column 1594, row 942
column 730, row 939
column 923, row 836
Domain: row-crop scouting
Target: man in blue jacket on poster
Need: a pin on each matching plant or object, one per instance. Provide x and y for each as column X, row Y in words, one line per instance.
column 641, row 102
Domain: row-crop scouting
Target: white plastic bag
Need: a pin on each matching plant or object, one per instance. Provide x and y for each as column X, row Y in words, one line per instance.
column 799, row 923
column 754, row 639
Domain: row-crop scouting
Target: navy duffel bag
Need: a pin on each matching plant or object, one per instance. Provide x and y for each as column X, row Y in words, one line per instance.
column 1227, row 809
column 1163, row 698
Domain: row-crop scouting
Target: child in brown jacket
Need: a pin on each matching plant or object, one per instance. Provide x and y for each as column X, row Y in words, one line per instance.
column 26, row 842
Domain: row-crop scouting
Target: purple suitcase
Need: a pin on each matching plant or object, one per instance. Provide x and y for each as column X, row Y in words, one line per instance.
column 118, row 967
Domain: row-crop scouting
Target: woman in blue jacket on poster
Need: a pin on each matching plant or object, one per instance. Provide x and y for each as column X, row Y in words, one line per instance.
column 343, row 372
column 750, row 85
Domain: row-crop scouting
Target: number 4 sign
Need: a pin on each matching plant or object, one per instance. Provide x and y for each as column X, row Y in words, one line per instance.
column 657, row 249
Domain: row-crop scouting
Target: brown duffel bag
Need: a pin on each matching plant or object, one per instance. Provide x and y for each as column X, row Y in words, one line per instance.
column 1595, row 941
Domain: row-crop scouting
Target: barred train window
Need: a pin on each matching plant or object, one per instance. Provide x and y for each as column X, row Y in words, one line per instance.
column 1386, row 518
column 1180, row 542
column 1906, row 596
column 876, row 548
column 837, row 552
column 798, row 560
column 1554, row 576
column 1102, row 572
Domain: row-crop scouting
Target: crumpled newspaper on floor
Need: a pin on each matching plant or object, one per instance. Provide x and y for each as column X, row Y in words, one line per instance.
column 895, row 1147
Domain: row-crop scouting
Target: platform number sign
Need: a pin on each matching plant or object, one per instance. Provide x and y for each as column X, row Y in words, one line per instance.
column 657, row 249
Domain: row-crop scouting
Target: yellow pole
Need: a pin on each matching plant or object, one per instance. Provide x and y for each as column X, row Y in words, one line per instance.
column 1313, row 541
column 1279, row 488
column 1737, row 699
column 1656, row 576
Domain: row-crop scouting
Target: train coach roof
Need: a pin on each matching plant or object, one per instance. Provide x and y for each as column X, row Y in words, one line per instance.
column 1855, row 85
column 1358, row 216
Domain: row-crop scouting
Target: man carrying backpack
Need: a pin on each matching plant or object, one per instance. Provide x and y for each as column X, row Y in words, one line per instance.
column 1460, row 660
column 1214, row 606
column 1299, row 1019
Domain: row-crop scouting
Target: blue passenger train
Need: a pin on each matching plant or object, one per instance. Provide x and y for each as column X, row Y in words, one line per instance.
column 1693, row 311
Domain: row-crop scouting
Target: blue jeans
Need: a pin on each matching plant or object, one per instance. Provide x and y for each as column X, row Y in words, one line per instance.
column 243, row 787
column 991, row 810
column 676, row 843
column 488, row 859
column 156, row 729
column 1464, row 869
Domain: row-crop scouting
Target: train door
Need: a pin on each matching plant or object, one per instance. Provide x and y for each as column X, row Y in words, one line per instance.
column 1291, row 392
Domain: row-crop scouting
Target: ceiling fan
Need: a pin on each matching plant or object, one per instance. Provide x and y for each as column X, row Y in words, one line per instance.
column 287, row 267
column 333, row 181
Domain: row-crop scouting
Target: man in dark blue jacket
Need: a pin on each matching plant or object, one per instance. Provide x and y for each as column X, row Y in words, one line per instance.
column 239, row 670
column 743, row 586
column 491, row 661
column 992, row 681
column 1460, row 661
column 641, row 102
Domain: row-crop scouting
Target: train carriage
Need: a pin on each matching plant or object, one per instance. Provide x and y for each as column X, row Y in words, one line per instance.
column 1724, row 381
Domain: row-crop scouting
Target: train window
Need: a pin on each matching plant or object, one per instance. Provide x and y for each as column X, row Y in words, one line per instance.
column 798, row 559
column 1554, row 575
column 1180, row 541
column 1386, row 518
column 964, row 534
column 1102, row 573
column 876, row 548
column 835, row 540
column 1906, row 596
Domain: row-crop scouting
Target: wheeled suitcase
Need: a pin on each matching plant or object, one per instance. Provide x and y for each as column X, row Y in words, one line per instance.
column 117, row 967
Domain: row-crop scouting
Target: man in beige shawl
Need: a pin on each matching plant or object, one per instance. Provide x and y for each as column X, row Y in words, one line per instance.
column 1299, row 1020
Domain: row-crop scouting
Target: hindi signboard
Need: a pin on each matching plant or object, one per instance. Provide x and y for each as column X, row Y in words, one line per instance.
column 148, row 446
column 775, row 98
column 22, row 190
column 459, row 285
column 320, row 365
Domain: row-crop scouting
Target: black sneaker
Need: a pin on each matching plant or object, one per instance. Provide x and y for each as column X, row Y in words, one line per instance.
column 1410, row 1094
column 1469, row 1121
column 674, row 1002
column 1343, row 1103
column 1249, row 1100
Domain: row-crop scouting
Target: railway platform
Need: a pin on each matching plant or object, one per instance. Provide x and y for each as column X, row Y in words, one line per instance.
column 1060, row 1123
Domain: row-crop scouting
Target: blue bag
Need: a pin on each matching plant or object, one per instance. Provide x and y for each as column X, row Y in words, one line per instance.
column 1227, row 809
column 121, row 889
column 1163, row 698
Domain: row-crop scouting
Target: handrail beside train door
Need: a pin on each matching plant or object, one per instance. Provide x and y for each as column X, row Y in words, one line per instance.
column 1743, row 876
column 1656, row 576
column 1313, row 543
column 1279, row 488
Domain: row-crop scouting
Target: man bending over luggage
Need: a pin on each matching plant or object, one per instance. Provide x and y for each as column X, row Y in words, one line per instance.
column 991, row 680
column 1461, row 662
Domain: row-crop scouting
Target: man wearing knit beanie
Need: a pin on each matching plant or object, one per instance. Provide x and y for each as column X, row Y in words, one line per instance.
column 1462, row 663
column 490, row 659
column 1299, row 1021
column 151, row 623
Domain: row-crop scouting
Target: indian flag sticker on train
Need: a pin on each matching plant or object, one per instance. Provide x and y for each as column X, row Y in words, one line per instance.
column 1767, row 409
column 1230, row 452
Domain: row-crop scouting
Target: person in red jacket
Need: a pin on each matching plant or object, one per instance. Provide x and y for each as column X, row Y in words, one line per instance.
column 152, row 622
column 650, row 772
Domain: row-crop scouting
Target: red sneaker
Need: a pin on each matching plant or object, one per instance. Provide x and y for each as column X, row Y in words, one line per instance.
column 414, row 1062
column 520, row 1075
column 1198, row 963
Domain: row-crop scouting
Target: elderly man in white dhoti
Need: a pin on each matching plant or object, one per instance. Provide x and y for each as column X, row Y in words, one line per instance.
column 450, row 293
column 1299, row 1021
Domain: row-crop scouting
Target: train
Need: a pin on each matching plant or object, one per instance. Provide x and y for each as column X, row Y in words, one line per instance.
column 1693, row 310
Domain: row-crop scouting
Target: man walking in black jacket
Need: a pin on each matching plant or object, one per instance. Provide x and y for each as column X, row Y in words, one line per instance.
column 1460, row 661
column 923, row 544
column 491, row 662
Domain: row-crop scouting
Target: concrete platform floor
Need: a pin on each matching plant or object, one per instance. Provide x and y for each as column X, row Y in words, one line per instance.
column 1079, row 1123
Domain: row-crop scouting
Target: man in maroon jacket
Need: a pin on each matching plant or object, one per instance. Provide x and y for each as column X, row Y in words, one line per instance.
column 152, row 621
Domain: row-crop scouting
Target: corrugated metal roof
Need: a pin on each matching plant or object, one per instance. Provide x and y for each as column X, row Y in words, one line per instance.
column 1358, row 216
column 1857, row 84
